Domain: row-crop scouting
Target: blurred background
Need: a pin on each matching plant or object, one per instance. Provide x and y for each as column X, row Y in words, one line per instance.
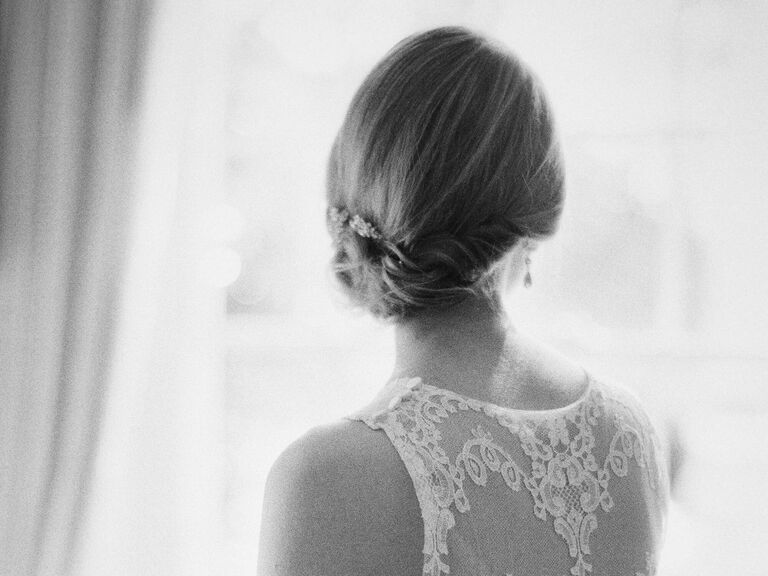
column 168, row 320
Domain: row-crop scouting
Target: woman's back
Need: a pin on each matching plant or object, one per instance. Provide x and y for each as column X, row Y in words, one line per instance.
column 443, row 179
column 577, row 490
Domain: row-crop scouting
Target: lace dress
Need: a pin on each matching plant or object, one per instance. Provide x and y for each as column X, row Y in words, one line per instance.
column 578, row 490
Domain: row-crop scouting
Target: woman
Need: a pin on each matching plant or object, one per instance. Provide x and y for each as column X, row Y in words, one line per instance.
column 486, row 452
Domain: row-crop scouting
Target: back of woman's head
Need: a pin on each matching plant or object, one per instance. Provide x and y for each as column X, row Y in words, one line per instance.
column 448, row 150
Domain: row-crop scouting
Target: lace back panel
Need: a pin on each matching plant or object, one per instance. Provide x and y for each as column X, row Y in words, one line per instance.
column 579, row 490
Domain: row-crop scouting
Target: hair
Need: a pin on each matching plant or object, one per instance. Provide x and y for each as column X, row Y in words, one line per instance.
column 449, row 150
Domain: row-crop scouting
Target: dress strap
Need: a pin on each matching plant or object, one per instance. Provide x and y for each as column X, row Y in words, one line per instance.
column 389, row 412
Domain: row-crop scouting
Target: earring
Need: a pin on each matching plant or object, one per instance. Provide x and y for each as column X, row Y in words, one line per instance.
column 528, row 280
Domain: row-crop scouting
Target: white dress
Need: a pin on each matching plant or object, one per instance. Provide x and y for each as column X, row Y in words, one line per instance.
column 579, row 490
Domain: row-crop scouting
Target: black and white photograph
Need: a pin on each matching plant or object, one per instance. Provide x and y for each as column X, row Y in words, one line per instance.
column 383, row 288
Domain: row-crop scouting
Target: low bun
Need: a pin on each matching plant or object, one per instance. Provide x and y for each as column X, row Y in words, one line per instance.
column 436, row 272
column 448, row 150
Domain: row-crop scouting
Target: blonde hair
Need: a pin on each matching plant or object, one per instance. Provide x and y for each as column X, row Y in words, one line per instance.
column 448, row 148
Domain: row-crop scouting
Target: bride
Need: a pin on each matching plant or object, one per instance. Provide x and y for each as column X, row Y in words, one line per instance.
column 485, row 452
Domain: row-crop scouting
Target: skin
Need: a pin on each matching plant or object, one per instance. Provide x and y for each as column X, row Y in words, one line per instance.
column 339, row 500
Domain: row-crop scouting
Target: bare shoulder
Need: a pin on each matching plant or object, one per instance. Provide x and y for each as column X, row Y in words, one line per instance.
column 339, row 501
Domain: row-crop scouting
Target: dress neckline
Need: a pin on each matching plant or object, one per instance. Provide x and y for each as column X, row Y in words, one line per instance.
column 416, row 381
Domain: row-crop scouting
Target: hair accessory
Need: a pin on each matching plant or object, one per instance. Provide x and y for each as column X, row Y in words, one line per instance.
column 340, row 218
column 363, row 228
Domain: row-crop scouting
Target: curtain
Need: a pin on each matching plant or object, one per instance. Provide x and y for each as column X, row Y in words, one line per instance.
column 70, row 82
column 156, row 500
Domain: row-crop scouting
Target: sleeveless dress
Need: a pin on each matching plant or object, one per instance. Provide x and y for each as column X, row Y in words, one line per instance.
column 580, row 490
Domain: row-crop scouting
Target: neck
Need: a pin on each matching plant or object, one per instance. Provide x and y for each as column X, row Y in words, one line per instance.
column 465, row 343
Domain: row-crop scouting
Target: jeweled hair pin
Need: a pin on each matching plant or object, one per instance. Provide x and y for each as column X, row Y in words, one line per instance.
column 341, row 218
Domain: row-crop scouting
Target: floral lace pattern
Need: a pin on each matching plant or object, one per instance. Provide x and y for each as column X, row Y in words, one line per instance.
column 567, row 483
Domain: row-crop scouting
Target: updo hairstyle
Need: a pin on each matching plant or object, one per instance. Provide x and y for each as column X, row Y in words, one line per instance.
column 448, row 149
